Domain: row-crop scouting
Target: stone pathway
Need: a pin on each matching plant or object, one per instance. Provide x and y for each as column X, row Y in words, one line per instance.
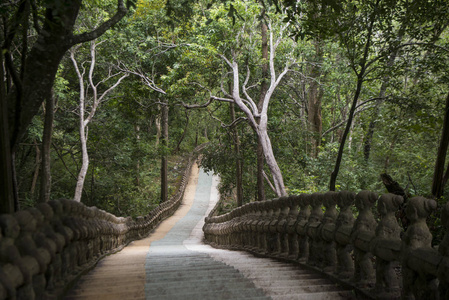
column 177, row 265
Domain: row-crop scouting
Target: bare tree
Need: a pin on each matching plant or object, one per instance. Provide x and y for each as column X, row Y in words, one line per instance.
column 96, row 99
column 263, row 92
column 240, row 96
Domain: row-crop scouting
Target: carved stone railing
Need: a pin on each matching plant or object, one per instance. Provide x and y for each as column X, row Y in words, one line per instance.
column 45, row 248
column 360, row 252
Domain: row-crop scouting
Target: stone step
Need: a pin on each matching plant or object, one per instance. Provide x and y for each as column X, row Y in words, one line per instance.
column 198, row 267
column 109, row 296
column 282, row 277
column 207, row 297
column 288, row 284
column 99, row 273
column 261, row 266
column 184, row 277
column 336, row 295
column 190, row 272
column 237, row 294
column 195, row 283
column 123, row 291
column 184, row 265
column 86, row 285
column 106, row 280
column 305, row 288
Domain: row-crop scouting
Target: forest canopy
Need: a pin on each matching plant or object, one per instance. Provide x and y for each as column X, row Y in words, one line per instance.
column 102, row 101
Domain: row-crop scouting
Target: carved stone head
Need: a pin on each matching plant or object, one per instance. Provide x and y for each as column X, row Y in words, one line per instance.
column 389, row 203
column 345, row 199
column 419, row 208
column 365, row 200
column 304, row 200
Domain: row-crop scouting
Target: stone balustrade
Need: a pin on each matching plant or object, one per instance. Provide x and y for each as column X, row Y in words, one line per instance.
column 45, row 248
column 374, row 257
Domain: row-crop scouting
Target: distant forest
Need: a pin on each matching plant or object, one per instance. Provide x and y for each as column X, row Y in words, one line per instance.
column 102, row 101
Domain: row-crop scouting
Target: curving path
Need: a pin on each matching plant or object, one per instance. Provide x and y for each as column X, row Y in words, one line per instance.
column 173, row 263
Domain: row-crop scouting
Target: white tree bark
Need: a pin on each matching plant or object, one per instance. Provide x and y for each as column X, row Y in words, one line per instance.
column 249, row 107
column 83, row 120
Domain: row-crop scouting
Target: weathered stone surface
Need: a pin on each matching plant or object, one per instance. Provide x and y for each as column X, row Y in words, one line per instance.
column 343, row 228
column 362, row 234
column 312, row 230
column 45, row 247
column 419, row 260
column 301, row 227
column 315, row 237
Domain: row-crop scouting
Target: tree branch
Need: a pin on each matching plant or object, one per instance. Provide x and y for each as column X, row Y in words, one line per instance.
column 195, row 106
column 356, row 112
column 148, row 82
column 249, row 100
column 224, row 125
column 269, row 182
column 92, row 35
column 226, row 60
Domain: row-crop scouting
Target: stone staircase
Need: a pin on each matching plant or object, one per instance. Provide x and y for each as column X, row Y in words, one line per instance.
column 185, row 274
column 180, row 266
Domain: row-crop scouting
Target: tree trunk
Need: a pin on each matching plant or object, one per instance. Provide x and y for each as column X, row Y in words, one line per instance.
column 360, row 76
column 46, row 147
column 271, row 162
column 260, row 126
column 6, row 182
column 92, row 185
column 334, row 174
column 158, row 128
column 37, row 74
column 314, row 103
column 438, row 178
column 85, row 160
column 260, row 171
column 178, row 145
column 14, row 182
column 137, row 129
column 238, row 162
column 83, row 120
column 263, row 92
column 372, row 124
column 164, row 144
column 41, row 64
column 36, row 169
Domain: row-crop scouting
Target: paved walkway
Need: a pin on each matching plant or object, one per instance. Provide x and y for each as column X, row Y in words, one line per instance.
column 173, row 263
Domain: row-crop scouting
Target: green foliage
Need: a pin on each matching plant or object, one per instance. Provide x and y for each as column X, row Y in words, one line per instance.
column 176, row 45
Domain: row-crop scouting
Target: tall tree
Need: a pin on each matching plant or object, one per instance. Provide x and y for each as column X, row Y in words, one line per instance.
column 97, row 98
column 359, row 66
column 315, row 94
column 238, row 161
column 263, row 93
column 6, row 186
column 45, row 187
column 248, row 106
column 440, row 177
column 164, row 156
column 34, row 73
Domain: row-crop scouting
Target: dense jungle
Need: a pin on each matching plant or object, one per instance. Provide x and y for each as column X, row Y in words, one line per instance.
column 102, row 101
